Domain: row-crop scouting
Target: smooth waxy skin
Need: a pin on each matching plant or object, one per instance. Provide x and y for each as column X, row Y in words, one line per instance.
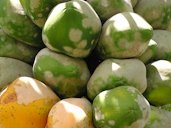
column 159, row 118
column 121, row 107
column 156, row 12
column 124, row 35
column 71, row 113
column 107, row 8
column 25, row 103
column 9, row 47
column 159, row 83
column 65, row 75
column 38, row 10
column 71, row 30
column 114, row 72
column 11, row 69
column 15, row 23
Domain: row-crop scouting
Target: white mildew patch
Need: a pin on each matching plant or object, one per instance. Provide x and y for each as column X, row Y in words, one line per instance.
column 80, row 52
column 82, row 44
column 48, row 76
column 40, row 15
column 104, row 3
column 131, row 89
column 86, row 9
column 68, row 49
column 111, row 122
column 98, row 114
column 40, row 21
column 144, row 105
column 75, row 35
column 47, row 8
column 34, row 4
column 86, row 22
column 29, row 90
column 137, row 124
column 89, row 23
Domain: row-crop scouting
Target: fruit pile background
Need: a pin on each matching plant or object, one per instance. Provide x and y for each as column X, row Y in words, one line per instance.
column 85, row 64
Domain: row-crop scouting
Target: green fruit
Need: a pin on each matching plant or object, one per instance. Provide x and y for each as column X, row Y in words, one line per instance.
column 38, row 10
column 134, row 2
column 65, row 75
column 162, row 38
column 72, row 28
column 156, row 12
column 124, row 35
column 150, row 53
column 11, row 69
column 121, row 107
column 114, row 72
column 9, row 47
column 15, row 23
column 158, row 90
column 159, row 118
column 107, row 8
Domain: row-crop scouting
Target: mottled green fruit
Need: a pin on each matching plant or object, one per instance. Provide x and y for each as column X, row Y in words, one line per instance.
column 159, row 118
column 158, row 90
column 134, row 2
column 15, row 23
column 65, row 75
column 124, row 35
column 9, row 47
column 107, row 8
column 163, row 40
column 150, row 53
column 121, row 107
column 114, row 72
column 38, row 10
column 72, row 28
column 156, row 12
column 166, row 107
column 11, row 69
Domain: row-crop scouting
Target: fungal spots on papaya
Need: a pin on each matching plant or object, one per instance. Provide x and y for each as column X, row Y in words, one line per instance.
column 104, row 3
column 34, row 4
column 82, row 44
column 40, row 15
column 75, row 35
column 11, row 97
column 111, row 122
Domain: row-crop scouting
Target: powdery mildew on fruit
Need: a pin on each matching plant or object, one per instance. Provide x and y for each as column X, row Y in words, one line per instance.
column 76, row 51
column 98, row 114
column 34, row 4
column 88, row 11
column 144, row 107
column 82, row 44
column 111, row 122
column 29, row 90
column 137, row 124
column 75, row 35
column 131, row 90
column 104, row 3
